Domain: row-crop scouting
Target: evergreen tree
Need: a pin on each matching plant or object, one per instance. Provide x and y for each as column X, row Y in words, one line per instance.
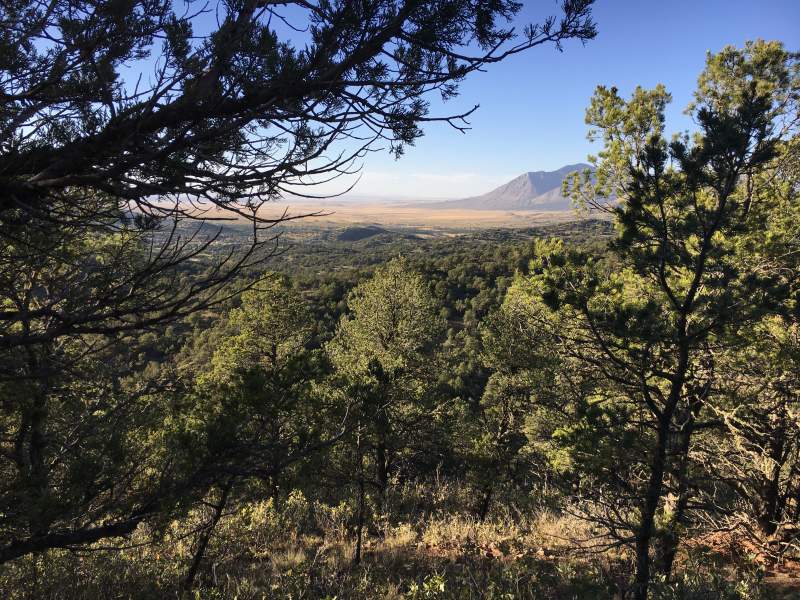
column 257, row 415
column 647, row 320
column 387, row 345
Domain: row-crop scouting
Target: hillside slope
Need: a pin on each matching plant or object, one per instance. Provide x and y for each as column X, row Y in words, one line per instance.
column 536, row 190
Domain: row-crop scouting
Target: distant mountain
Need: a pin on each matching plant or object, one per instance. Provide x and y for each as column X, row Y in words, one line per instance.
column 537, row 190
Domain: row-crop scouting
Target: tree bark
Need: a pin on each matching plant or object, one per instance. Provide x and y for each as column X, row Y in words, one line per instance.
column 483, row 511
column 382, row 454
column 671, row 538
column 649, row 508
column 361, row 500
column 188, row 582
column 67, row 539
column 770, row 496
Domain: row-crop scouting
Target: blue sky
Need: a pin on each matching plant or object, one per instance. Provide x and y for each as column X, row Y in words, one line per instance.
column 532, row 105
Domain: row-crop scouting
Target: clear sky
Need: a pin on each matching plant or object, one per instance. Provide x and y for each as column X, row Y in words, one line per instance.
column 532, row 105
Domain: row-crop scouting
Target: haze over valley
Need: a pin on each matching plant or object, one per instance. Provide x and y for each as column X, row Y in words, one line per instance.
column 531, row 199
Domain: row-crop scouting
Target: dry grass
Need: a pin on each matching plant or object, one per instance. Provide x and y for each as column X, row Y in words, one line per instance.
column 333, row 213
column 344, row 213
column 305, row 550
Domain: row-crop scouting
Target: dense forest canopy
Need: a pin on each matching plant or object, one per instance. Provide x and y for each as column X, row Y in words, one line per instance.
column 573, row 411
column 121, row 126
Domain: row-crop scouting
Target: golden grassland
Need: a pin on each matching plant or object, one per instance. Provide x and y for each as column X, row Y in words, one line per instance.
column 338, row 213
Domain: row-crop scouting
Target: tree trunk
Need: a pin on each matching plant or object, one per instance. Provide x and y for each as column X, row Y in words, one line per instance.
column 66, row 539
column 382, row 466
column 382, row 455
column 770, row 493
column 649, row 508
column 361, row 501
column 188, row 582
column 483, row 511
column 671, row 537
column 34, row 455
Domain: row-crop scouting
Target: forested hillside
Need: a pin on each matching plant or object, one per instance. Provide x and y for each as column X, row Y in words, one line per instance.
column 197, row 401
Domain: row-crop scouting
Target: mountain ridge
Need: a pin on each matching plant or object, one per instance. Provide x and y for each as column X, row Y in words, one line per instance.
column 534, row 190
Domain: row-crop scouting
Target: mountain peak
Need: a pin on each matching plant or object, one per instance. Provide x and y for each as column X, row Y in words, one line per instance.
column 534, row 190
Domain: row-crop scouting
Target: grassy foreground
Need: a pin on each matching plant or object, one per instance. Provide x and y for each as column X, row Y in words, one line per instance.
column 421, row 546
